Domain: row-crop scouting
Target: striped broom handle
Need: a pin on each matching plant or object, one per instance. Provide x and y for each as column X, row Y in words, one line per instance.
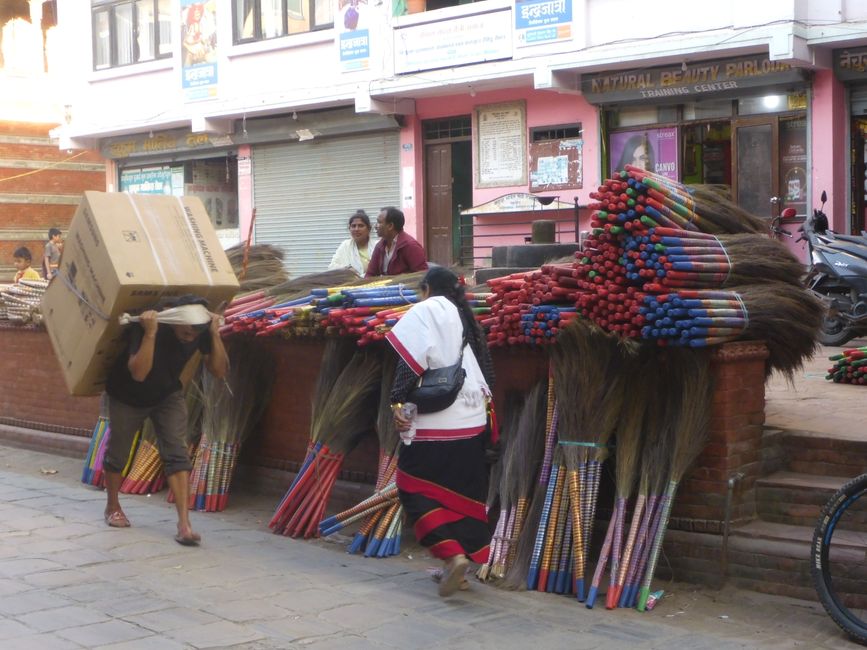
column 638, row 557
column 620, row 512
column 519, row 525
column 602, row 561
column 564, row 575
column 533, row 573
column 613, row 595
column 485, row 570
column 340, row 525
column 550, row 443
column 642, row 564
column 577, row 533
column 557, row 545
column 657, row 545
column 548, row 548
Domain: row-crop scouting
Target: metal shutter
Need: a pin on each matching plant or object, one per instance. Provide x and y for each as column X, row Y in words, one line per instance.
column 304, row 193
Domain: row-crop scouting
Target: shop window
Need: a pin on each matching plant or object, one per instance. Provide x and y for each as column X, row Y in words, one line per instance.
column 707, row 110
column 772, row 103
column 401, row 7
column 258, row 20
column 130, row 31
column 641, row 115
column 542, row 134
column 447, row 128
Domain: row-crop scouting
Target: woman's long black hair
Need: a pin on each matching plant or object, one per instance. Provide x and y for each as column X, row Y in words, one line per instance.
column 440, row 281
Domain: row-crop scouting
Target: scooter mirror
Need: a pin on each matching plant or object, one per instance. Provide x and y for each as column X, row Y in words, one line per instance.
column 789, row 213
column 824, row 196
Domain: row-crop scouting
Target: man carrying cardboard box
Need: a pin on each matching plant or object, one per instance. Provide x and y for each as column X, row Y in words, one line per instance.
column 145, row 383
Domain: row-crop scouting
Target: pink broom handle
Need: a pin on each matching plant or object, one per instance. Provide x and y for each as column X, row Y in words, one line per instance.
column 657, row 545
column 613, row 595
column 603, row 560
column 620, row 510
column 638, row 557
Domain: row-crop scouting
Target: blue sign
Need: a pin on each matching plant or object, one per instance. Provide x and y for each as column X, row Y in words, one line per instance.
column 542, row 21
column 355, row 49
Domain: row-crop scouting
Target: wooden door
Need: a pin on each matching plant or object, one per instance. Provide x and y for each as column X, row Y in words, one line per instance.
column 438, row 203
column 755, row 164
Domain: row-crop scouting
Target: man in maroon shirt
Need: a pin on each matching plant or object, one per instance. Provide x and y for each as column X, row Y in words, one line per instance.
column 396, row 252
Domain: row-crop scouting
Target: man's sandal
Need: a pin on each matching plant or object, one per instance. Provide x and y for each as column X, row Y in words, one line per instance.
column 116, row 519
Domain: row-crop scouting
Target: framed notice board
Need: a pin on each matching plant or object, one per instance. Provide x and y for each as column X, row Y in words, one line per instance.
column 556, row 165
column 501, row 142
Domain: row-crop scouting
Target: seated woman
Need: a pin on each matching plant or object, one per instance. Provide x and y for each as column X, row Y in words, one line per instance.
column 354, row 252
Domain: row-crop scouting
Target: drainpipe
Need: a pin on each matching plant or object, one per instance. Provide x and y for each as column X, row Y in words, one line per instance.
column 734, row 479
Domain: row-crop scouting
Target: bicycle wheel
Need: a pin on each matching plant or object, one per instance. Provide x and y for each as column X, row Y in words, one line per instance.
column 839, row 558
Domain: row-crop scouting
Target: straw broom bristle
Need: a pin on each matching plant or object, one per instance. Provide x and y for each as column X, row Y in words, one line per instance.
column 788, row 318
column 338, row 352
column 388, row 435
column 760, row 259
column 723, row 212
column 347, row 413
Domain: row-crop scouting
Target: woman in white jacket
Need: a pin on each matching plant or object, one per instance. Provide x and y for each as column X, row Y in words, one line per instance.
column 354, row 252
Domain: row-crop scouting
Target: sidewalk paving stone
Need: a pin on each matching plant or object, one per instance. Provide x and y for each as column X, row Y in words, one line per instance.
column 72, row 582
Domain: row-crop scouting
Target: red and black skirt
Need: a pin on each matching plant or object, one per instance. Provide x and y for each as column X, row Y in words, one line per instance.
column 442, row 487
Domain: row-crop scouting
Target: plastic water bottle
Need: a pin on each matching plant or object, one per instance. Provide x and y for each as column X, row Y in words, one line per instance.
column 410, row 412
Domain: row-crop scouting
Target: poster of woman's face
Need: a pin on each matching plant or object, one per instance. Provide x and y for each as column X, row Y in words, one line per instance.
column 652, row 149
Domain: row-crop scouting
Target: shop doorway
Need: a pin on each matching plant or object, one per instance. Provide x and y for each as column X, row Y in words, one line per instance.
column 448, row 184
column 755, row 164
column 858, row 216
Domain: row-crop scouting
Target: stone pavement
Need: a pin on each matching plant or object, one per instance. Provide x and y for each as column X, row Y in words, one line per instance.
column 812, row 405
column 68, row 581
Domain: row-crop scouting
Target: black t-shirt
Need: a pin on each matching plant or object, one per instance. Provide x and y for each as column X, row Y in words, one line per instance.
column 170, row 357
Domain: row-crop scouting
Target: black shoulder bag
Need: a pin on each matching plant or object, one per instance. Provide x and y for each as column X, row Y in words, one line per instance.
column 438, row 388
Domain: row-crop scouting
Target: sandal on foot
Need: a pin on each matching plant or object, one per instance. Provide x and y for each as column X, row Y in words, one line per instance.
column 437, row 575
column 189, row 540
column 454, row 573
column 116, row 519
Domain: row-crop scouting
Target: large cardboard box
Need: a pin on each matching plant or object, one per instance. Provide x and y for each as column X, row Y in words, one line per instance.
column 125, row 252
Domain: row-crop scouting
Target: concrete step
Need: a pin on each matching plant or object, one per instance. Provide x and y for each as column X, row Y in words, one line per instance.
column 824, row 455
column 794, row 498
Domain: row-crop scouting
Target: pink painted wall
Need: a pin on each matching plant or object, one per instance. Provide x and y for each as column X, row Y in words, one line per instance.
column 544, row 108
column 830, row 149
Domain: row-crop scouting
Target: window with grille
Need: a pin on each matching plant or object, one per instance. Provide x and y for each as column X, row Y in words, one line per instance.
column 130, row 31
column 449, row 127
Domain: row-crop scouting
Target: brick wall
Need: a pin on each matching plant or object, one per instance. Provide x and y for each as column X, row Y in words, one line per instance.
column 40, row 187
column 32, row 391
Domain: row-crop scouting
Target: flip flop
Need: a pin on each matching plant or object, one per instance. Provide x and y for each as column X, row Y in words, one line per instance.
column 436, row 574
column 451, row 580
column 116, row 519
column 192, row 540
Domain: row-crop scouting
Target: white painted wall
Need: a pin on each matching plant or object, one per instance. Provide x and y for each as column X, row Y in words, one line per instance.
column 301, row 72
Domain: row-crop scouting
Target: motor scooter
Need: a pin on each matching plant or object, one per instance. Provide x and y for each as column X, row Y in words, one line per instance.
column 837, row 275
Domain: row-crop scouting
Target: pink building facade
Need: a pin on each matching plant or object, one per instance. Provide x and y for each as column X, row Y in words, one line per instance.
column 475, row 119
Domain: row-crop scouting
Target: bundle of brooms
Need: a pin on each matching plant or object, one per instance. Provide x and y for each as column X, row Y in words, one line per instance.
column 380, row 514
column 341, row 415
column 264, row 266
column 522, row 461
column 146, row 475
column 231, row 409
column 590, row 374
column 850, row 367
column 93, row 474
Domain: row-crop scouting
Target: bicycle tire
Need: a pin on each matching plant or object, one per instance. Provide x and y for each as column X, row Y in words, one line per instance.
column 854, row 624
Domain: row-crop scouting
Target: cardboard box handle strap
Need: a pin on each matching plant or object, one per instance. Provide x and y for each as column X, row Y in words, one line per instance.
column 96, row 310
